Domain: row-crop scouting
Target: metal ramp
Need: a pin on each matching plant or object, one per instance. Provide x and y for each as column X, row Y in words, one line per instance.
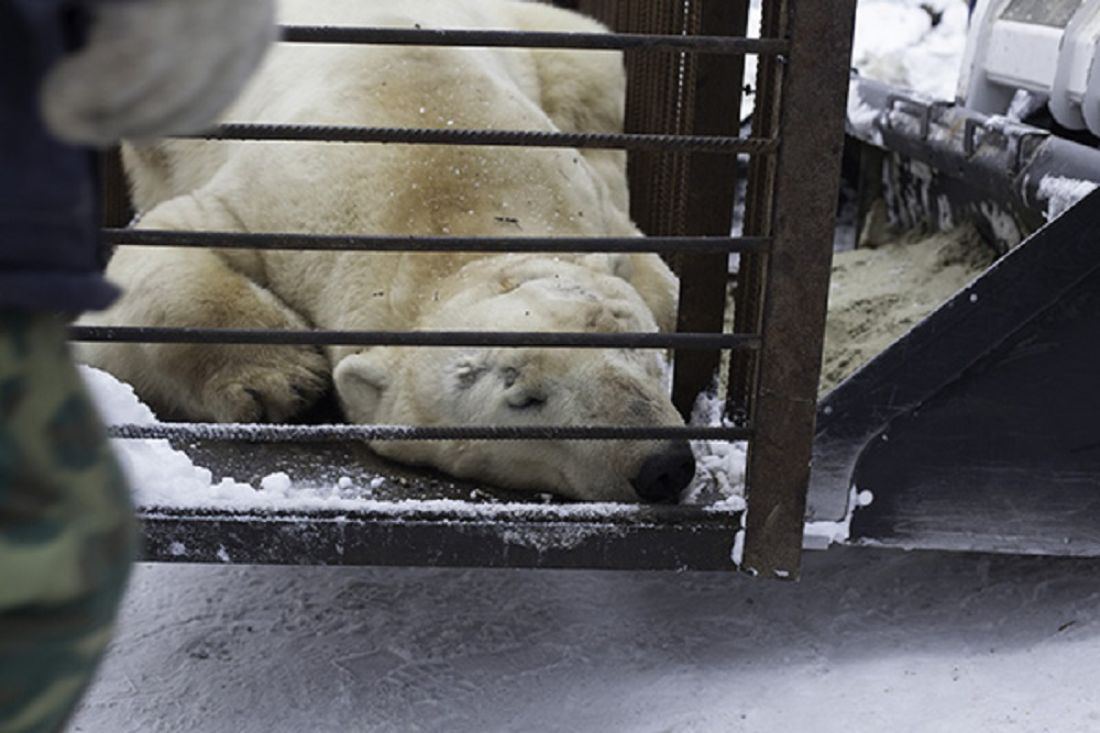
column 978, row 430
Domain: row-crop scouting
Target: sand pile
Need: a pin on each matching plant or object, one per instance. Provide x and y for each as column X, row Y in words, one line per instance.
column 879, row 293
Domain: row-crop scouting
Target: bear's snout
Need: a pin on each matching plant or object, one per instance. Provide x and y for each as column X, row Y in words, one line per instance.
column 664, row 475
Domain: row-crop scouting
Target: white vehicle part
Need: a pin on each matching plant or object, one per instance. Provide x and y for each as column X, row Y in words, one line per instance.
column 1050, row 47
column 1075, row 98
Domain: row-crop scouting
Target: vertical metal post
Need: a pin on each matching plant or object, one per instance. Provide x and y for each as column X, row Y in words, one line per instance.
column 814, row 83
column 757, row 221
column 712, row 95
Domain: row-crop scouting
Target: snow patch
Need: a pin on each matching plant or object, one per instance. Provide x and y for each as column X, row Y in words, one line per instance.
column 862, row 118
column 720, row 465
column 819, row 535
column 1024, row 104
column 1006, row 232
column 1062, row 193
column 897, row 42
column 278, row 482
column 162, row 476
column 159, row 474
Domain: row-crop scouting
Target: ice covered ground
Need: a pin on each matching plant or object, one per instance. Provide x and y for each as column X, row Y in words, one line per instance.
column 868, row 641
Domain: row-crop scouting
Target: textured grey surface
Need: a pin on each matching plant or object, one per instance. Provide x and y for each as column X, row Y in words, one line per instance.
column 869, row 640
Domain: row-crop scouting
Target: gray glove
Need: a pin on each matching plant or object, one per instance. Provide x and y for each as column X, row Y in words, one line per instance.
column 156, row 67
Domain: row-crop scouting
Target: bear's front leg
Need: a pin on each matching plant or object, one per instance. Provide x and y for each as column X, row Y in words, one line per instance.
column 195, row 288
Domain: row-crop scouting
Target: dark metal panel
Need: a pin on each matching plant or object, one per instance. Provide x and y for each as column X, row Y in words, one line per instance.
column 653, row 539
column 1006, row 459
column 811, row 132
column 712, row 100
column 117, row 211
column 1020, row 287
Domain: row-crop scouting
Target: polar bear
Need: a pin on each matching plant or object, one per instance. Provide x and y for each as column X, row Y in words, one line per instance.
column 421, row 190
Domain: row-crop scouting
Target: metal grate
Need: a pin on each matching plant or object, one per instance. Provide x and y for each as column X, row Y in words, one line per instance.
column 685, row 62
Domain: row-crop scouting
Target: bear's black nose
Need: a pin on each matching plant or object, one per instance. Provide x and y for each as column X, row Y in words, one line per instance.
column 664, row 475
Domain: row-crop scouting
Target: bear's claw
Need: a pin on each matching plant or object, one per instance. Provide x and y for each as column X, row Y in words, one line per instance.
column 245, row 391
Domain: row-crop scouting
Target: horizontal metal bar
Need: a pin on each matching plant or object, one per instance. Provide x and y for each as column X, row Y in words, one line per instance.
column 533, row 39
column 146, row 335
column 512, row 535
column 498, row 138
column 263, row 433
column 370, row 243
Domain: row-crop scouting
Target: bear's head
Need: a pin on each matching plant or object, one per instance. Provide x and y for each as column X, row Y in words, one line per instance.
column 530, row 386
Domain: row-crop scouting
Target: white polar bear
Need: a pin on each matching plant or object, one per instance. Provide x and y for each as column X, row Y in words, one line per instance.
column 423, row 190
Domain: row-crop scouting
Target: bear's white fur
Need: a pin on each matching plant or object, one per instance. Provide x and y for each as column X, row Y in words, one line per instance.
column 409, row 189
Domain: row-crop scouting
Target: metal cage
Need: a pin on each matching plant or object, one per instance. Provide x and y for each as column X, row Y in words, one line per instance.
column 684, row 68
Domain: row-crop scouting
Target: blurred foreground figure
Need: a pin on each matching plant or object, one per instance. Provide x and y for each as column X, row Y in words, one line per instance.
column 76, row 74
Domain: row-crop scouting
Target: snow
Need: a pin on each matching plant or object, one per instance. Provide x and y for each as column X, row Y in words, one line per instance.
column 1062, row 193
column 159, row 473
column 896, row 42
column 720, row 465
column 165, row 477
column 278, row 482
column 861, row 117
column 1024, row 104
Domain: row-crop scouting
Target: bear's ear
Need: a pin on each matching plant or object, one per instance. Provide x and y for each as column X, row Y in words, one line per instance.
column 361, row 379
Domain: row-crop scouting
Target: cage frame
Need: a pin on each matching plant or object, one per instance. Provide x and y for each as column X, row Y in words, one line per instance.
column 682, row 132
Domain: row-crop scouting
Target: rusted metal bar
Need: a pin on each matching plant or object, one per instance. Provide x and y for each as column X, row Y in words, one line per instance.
column 514, row 339
column 795, row 290
column 262, row 433
column 757, row 219
column 498, row 138
column 370, row 243
column 414, row 533
column 712, row 106
column 716, row 44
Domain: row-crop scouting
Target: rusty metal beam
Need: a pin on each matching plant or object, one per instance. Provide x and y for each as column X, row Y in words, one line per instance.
column 650, row 538
column 814, row 83
column 712, row 98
